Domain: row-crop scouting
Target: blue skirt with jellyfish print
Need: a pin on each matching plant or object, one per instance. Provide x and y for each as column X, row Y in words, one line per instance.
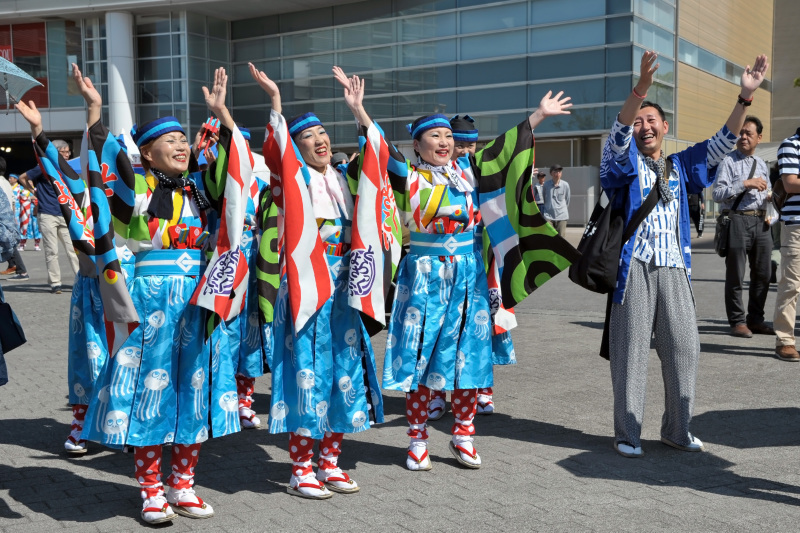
column 87, row 347
column 166, row 382
column 440, row 334
column 324, row 378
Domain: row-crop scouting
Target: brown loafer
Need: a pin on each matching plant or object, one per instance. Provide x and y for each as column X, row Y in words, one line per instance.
column 787, row 353
column 761, row 329
column 741, row 330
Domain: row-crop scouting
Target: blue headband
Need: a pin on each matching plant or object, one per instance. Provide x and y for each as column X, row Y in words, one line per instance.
column 427, row 123
column 464, row 129
column 303, row 122
column 245, row 133
column 153, row 130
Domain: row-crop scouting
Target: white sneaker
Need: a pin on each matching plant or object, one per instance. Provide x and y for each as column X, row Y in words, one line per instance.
column 418, row 455
column 156, row 510
column 337, row 481
column 37, row 248
column 248, row 418
column 695, row 444
column 187, row 503
column 462, row 449
column 308, row 486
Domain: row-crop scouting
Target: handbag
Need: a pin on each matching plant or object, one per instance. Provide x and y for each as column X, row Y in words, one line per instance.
column 722, row 232
column 779, row 195
column 602, row 240
column 11, row 333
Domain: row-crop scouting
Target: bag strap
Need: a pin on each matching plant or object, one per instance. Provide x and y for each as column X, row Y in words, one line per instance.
column 644, row 209
column 741, row 196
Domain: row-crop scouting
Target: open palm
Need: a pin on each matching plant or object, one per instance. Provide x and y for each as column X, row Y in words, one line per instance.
column 555, row 105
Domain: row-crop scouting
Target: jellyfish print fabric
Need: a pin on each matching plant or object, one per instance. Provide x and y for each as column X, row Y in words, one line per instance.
column 324, row 378
column 87, row 352
column 166, row 381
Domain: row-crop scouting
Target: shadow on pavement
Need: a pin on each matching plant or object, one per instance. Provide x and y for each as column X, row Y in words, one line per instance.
column 751, row 428
column 39, row 288
column 729, row 349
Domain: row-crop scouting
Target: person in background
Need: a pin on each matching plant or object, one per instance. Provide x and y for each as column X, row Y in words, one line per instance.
column 741, row 190
column 16, row 265
column 51, row 222
column 556, row 200
column 538, row 188
column 789, row 284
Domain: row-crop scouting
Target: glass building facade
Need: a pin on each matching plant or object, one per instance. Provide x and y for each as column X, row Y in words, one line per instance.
column 494, row 61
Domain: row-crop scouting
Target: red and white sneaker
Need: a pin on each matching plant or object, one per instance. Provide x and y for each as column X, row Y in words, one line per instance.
column 248, row 418
column 465, row 453
column 308, row 486
column 337, row 481
column 418, row 455
column 187, row 503
column 485, row 404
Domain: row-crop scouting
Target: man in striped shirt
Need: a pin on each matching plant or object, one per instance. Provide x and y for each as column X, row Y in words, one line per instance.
column 789, row 284
column 653, row 294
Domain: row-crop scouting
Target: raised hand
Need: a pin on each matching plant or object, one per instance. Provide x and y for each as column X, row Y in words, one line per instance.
column 647, row 68
column 269, row 86
column 353, row 95
column 215, row 99
column 32, row 115
column 87, row 88
column 555, row 105
column 752, row 77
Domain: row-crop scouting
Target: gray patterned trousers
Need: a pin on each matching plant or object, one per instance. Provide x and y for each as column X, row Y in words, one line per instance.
column 657, row 300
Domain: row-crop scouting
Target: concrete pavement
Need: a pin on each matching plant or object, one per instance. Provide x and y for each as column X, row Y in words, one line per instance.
column 548, row 459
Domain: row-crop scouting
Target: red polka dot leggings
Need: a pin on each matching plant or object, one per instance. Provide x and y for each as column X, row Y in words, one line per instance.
column 464, row 403
column 245, row 387
column 78, row 415
column 301, row 450
column 443, row 394
column 148, row 467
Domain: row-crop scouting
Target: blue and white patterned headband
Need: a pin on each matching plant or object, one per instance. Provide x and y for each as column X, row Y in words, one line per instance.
column 464, row 129
column 155, row 129
column 245, row 133
column 421, row 125
column 303, row 122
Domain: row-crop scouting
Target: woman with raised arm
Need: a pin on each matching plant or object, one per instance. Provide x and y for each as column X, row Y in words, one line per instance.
column 324, row 380
column 440, row 336
column 164, row 384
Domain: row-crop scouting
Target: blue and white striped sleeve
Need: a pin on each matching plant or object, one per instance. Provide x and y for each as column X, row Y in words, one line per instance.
column 619, row 141
column 721, row 144
column 789, row 157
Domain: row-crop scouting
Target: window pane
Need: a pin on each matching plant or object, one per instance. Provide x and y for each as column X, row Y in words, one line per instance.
column 654, row 38
column 618, row 88
column 545, row 11
column 63, row 49
column 619, row 59
column 249, row 95
column 566, row 65
column 656, row 11
column 568, row 36
column 196, row 23
column 155, row 92
column 473, row 101
column 241, row 73
column 217, row 28
column 365, row 35
column 494, row 45
column 579, row 120
column 618, row 30
column 666, row 69
column 196, row 45
column 198, row 69
column 427, row 53
column 308, row 89
column 179, row 91
column 418, row 105
column 428, row 27
column 412, row 7
column 618, row 6
column 425, row 78
column 503, row 71
column 218, row 51
column 582, row 92
column 152, row 24
column 308, row 43
column 154, row 69
column 154, row 46
column 256, row 49
column 379, row 83
column 319, row 65
column 178, row 48
column 257, row 27
column 177, row 23
column 494, row 18
column 368, row 59
column 179, row 68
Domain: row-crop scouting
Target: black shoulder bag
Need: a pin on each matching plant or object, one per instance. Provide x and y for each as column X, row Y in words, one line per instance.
column 722, row 232
column 602, row 241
